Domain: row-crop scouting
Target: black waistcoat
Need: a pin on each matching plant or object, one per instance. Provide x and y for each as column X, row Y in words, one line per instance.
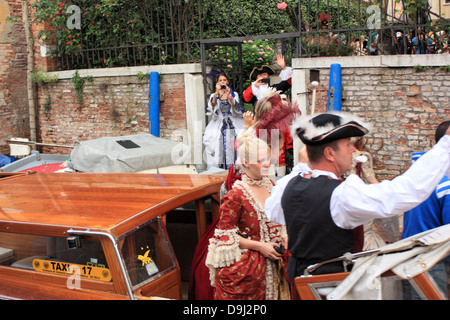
column 313, row 236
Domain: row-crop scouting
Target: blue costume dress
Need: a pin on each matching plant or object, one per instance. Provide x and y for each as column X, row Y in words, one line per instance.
column 220, row 133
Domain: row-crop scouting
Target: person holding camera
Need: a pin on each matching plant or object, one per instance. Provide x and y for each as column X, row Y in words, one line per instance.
column 261, row 81
column 226, row 123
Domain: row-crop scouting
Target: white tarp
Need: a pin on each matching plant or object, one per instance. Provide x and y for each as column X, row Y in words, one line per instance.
column 406, row 258
column 127, row 154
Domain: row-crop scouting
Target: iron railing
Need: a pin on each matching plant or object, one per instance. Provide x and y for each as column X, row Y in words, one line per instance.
column 184, row 31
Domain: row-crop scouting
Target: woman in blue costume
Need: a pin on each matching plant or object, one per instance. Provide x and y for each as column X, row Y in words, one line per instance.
column 225, row 125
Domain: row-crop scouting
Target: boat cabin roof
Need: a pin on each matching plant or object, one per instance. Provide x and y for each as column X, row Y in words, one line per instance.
column 52, row 203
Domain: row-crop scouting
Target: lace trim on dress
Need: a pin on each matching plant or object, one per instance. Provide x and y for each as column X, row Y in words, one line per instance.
column 222, row 253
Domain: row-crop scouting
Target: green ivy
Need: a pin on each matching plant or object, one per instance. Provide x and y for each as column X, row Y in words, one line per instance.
column 107, row 23
column 128, row 24
column 419, row 68
column 43, row 77
column 78, row 85
column 143, row 76
column 47, row 105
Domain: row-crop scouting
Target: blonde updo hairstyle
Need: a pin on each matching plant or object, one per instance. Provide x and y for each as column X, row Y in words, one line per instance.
column 262, row 106
column 248, row 147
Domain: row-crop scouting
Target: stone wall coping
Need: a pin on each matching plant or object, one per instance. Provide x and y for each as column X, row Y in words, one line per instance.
column 392, row 61
column 191, row 68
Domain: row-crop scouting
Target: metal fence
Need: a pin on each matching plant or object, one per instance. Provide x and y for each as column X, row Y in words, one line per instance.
column 183, row 31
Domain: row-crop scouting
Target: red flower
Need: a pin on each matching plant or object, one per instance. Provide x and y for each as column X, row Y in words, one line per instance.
column 131, row 21
column 92, row 22
column 281, row 5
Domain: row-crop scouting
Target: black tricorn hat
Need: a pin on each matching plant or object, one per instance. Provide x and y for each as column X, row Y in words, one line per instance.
column 262, row 69
column 326, row 127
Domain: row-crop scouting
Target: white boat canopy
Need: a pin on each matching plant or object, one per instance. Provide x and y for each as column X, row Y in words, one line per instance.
column 406, row 258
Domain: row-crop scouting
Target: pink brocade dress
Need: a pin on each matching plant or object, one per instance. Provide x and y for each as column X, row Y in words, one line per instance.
column 241, row 274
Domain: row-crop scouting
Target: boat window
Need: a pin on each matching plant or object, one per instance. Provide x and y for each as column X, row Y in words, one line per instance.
column 439, row 276
column 147, row 253
column 389, row 286
column 54, row 255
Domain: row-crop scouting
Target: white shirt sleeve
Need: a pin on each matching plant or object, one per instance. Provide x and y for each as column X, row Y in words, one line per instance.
column 272, row 206
column 354, row 202
column 286, row 74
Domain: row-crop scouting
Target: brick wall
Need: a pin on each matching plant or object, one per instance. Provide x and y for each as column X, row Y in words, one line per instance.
column 13, row 75
column 112, row 106
column 173, row 109
column 403, row 105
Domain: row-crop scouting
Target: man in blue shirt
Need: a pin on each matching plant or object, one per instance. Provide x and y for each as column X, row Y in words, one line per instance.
column 432, row 213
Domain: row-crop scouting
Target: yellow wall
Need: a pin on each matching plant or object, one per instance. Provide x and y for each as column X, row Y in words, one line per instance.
column 4, row 13
column 444, row 8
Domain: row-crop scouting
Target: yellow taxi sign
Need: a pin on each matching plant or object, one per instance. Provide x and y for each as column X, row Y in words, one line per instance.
column 69, row 269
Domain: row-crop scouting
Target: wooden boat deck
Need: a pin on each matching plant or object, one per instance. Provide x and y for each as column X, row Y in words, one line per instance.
column 109, row 202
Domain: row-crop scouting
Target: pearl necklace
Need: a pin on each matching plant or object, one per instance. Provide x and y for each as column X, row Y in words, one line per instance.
column 263, row 182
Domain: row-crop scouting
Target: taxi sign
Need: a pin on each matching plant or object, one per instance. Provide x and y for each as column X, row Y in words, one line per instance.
column 69, row 269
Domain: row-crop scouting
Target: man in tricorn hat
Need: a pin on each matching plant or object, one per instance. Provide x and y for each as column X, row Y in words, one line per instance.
column 261, row 81
column 321, row 212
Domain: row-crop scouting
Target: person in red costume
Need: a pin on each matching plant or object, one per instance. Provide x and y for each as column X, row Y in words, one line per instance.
column 261, row 81
column 245, row 254
column 275, row 114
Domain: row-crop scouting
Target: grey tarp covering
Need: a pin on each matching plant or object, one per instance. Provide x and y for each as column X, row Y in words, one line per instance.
column 406, row 258
column 127, row 154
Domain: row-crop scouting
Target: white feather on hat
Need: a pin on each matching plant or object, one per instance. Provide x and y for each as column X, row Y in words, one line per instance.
column 316, row 132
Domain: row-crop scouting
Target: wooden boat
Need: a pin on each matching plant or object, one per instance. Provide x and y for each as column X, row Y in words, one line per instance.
column 39, row 162
column 94, row 236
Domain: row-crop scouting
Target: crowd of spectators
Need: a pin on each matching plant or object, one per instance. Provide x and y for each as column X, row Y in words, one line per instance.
column 414, row 42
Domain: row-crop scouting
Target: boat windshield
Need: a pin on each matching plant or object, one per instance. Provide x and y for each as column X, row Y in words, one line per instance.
column 55, row 255
column 147, row 253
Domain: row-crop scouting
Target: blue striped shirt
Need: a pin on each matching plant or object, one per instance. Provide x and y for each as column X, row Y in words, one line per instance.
column 433, row 212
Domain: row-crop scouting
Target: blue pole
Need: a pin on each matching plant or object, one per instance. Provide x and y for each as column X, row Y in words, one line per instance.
column 335, row 88
column 154, row 104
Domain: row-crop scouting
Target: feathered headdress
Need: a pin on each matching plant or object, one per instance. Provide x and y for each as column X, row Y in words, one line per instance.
column 274, row 113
